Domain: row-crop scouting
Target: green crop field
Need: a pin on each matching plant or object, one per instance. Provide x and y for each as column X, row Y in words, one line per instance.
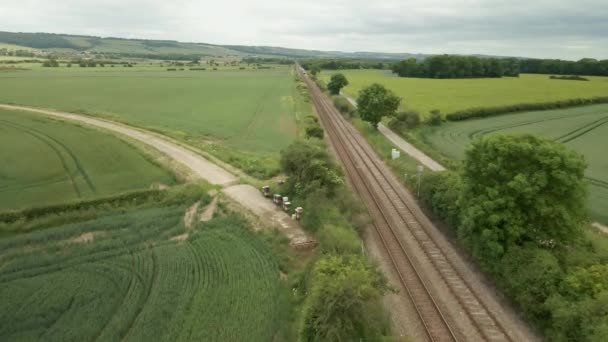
column 122, row 277
column 583, row 129
column 251, row 111
column 45, row 161
column 450, row 95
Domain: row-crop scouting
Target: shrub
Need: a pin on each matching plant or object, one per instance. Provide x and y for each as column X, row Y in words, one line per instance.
column 344, row 301
column 569, row 78
column 344, row 106
column 440, row 191
column 435, row 118
column 339, row 240
column 483, row 112
column 405, row 120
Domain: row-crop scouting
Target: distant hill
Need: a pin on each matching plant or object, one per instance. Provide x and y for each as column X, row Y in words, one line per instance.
column 73, row 44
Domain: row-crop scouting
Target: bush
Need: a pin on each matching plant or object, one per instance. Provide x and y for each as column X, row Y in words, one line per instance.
column 344, row 301
column 339, row 240
column 171, row 69
column 313, row 128
column 309, row 167
column 344, row 106
column 569, row 78
column 435, row 118
column 405, row 120
column 440, row 191
column 474, row 113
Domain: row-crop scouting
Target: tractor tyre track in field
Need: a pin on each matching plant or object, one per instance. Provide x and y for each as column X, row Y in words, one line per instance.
column 73, row 156
column 55, row 149
column 586, row 129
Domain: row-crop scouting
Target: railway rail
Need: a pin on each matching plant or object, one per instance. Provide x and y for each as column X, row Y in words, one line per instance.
column 393, row 209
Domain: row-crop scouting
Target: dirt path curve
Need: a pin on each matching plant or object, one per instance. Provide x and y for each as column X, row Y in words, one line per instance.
column 199, row 165
column 246, row 195
column 404, row 145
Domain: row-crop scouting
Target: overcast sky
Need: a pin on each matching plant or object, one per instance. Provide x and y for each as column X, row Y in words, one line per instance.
column 530, row 28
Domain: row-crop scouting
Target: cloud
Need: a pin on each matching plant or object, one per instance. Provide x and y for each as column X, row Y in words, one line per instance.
column 542, row 28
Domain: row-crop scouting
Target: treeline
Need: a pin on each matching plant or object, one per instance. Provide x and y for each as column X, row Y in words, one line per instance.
column 267, row 60
column 450, row 66
column 585, row 66
column 16, row 53
column 37, row 40
column 339, row 64
column 521, row 215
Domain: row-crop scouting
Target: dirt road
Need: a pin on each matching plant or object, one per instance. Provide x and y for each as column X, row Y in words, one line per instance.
column 246, row 195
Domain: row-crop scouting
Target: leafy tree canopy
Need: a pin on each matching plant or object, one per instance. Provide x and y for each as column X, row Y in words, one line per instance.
column 519, row 189
column 344, row 294
column 337, row 82
column 375, row 102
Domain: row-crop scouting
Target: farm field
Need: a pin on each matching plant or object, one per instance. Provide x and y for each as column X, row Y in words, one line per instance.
column 52, row 161
column 244, row 117
column 249, row 110
column 583, row 129
column 122, row 277
column 450, row 95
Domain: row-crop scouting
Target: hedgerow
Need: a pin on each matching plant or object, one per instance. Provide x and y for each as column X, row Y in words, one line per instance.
column 475, row 113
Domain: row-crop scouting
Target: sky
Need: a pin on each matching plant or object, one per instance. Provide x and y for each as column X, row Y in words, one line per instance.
column 526, row 28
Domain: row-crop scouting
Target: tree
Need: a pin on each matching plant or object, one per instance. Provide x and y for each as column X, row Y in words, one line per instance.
column 309, row 167
column 344, row 301
column 314, row 70
column 520, row 189
column 337, row 82
column 375, row 102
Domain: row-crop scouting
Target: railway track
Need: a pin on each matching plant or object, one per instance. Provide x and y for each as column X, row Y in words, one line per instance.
column 393, row 209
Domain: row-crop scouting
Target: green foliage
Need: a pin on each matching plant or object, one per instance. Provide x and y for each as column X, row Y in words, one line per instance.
column 435, row 118
column 344, row 106
column 520, row 189
column 51, row 63
column 344, row 301
column 440, row 192
column 338, row 240
column 337, row 82
column 313, row 128
column 340, row 64
column 314, row 70
column 309, row 167
column 404, row 121
column 451, row 66
column 569, row 78
column 376, row 102
column 475, row 113
column 585, row 66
